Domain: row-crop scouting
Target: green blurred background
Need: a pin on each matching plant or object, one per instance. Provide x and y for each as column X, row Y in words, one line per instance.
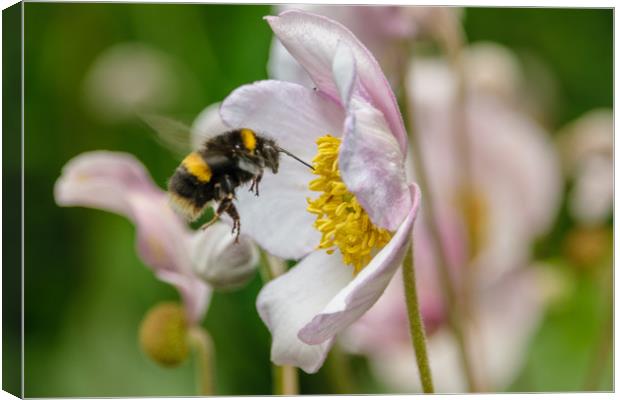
column 85, row 288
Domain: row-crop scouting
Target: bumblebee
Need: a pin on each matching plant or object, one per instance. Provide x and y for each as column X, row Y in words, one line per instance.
column 214, row 172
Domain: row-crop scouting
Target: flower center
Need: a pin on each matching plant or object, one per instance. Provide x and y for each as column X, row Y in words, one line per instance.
column 475, row 209
column 341, row 220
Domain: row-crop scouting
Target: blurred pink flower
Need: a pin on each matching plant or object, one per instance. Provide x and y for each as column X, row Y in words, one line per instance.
column 516, row 179
column 131, row 77
column 117, row 182
column 306, row 307
column 587, row 150
column 516, row 184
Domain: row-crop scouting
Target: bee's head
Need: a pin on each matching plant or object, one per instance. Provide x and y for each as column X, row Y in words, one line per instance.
column 271, row 155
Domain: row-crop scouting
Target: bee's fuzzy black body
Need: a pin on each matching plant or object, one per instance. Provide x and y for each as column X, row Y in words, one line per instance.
column 214, row 172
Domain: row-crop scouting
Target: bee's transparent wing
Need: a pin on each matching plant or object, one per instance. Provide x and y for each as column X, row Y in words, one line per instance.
column 170, row 133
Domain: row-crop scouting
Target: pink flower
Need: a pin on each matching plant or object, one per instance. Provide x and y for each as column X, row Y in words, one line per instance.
column 366, row 209
column 587, row 150
column 382, row 29
column 516, row 180
column 516, row 186
column 117, row 182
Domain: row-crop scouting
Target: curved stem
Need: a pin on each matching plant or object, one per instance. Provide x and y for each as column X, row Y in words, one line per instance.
column 416, row 327
column 285, row 377
column 205, row 360
column 437, row 246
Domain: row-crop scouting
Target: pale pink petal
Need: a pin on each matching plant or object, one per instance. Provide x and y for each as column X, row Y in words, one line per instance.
column 162, row 239
column 118, row 183
column 510, row 147
column 592, row 196
column 380, row 29
column 372, row 166
column 196, row 294
column 344, row 71
column 515, row 171
column 313, row 41
column 507, row 316
column 290, row 301
column 295, row 117
column 586, row 146
column 282, row 66
column 384, row 328
column 98, row 179
column 358, row 296
column 278, row 220
column 207, row 125
column 291, row 114
column 368, row 23
column 494, row 69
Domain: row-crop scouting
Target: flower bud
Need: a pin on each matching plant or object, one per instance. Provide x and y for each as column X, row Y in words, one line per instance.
column 163, row 334
column 220, row 261
column 586, row 246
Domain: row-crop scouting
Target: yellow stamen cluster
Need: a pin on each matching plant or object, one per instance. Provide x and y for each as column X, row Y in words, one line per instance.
column 340, row 218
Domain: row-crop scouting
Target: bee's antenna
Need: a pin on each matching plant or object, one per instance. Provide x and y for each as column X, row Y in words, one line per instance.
column 288, row 153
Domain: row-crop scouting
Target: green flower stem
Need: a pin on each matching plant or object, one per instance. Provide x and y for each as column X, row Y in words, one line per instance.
column 285, row 377
column 600, row 355
column 340, row 371
column 603, row 347
column 416, row 327
column 204, row 360
column 454, row 315
column 264, row 268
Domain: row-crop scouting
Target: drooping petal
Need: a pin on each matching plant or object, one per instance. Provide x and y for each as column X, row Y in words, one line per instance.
column 363, row 291
column 99, row 179
column 291, row 114
column 196, row 294
column 207, row 125
column 313, row 41
column 372, row 166
column 118, row 183
column 290, row 301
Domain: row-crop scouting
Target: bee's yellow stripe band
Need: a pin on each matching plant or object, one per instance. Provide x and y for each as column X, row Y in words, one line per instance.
column 249, row 139
column 197, row 167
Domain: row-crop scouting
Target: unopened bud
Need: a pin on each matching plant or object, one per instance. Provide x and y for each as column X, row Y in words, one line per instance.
column 163, row 334
column 221, row 261
column 587, row 246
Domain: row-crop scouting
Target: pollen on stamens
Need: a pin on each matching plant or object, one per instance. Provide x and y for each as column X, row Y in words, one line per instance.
column 341, row 220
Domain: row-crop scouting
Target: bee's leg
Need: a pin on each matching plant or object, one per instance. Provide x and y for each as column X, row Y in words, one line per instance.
column 217, row 191
column 234, row 215
column 221, row 209
column 228, row 187
column 255, row 181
